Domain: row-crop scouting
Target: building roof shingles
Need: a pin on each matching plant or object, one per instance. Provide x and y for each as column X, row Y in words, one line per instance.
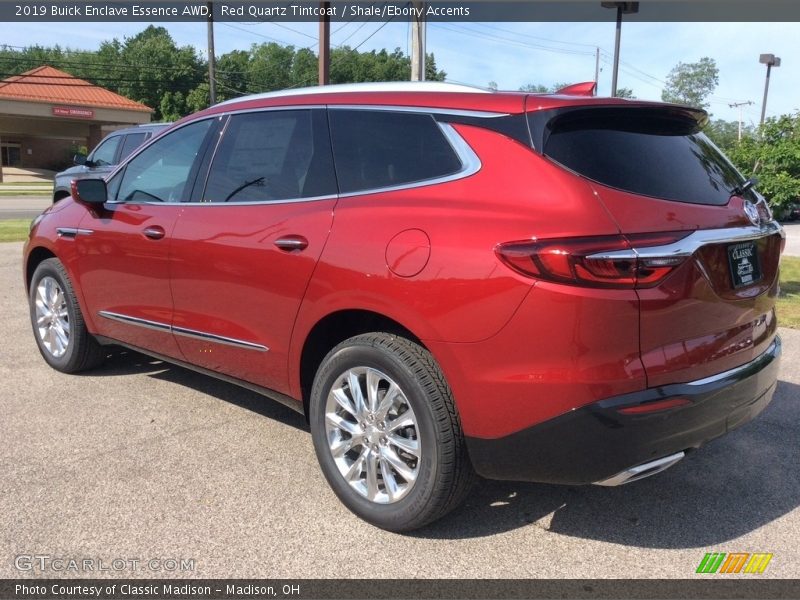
column 47, row 84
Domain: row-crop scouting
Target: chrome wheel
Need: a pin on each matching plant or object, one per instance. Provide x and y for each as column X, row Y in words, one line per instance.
column 373, row 435
column 52, row 317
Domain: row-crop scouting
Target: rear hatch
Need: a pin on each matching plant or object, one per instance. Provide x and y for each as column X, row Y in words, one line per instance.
column 656, row 172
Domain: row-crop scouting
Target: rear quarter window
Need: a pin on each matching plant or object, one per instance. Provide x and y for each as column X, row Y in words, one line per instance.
column 376, row 149
column 663, row 155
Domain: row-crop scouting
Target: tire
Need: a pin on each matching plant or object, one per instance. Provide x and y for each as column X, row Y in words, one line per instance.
column 434, row 474
column 63, row 340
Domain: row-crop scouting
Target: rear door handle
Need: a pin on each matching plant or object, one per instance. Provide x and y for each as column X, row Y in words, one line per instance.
column 154, row 232
column 292, row 242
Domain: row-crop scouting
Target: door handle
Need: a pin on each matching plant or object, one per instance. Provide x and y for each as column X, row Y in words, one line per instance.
column 292, row 242
column 154, row 232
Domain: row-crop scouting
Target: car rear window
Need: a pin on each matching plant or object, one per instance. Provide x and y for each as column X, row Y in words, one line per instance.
column 654, row 153
column 379, row 149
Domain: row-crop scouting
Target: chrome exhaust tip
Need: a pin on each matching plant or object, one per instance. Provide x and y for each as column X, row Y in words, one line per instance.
column 641, row 471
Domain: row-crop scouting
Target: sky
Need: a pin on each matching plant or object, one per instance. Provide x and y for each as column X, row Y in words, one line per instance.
column 513, row 54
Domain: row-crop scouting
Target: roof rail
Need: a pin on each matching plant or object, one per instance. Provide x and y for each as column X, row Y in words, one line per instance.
column 383, row 86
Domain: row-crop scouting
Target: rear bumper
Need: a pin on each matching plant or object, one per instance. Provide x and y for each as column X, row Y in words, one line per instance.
column 597, row 441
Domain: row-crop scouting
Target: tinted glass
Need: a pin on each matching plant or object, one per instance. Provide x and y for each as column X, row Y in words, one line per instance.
column 131, row 143
column 377, row 149
column 160, row 172
column 272, row 155
column 655, row 155
column 106, row 151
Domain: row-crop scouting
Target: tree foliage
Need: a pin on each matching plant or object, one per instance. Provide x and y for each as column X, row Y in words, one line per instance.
column 692, row 83
column 151, row 68
column 773, row 156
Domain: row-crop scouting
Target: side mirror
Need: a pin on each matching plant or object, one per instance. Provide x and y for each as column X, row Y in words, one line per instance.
column 79, row 159
column 89, row 191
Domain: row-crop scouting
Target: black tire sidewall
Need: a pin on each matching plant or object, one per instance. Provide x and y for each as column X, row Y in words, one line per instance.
column 404, row 513
column 48, row 268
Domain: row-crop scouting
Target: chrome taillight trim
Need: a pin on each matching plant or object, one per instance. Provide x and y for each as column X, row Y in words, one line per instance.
column 694, row 241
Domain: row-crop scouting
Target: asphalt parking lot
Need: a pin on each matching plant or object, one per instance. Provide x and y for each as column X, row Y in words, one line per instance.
column 139, row 459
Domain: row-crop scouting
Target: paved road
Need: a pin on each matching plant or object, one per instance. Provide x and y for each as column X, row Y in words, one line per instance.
column 139, row 459
column 23, row 207
column 792, row 238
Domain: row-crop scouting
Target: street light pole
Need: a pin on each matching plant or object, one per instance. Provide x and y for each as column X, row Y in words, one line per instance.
column 771, row 61
column 626, row 8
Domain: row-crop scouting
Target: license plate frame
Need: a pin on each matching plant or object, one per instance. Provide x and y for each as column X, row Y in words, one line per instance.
column 744, row 264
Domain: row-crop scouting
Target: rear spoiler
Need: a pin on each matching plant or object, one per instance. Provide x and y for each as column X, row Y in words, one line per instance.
column 587, row 88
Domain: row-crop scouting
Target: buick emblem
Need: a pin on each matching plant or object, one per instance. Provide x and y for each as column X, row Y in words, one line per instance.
column 752, row 213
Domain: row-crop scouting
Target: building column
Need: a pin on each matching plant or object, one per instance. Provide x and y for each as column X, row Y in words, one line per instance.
column 95, row 135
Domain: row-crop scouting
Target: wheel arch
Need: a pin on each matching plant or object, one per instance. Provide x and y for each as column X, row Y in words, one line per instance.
column 36, row 256
column 333, row 329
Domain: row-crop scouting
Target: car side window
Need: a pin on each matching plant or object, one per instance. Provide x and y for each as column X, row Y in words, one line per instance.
column 161, row 171
column 377, row 149
column 131, row 143
column 272, row 155
column 105, row 153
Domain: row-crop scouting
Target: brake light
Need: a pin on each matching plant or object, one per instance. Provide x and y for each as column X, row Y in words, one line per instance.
column 602, row 261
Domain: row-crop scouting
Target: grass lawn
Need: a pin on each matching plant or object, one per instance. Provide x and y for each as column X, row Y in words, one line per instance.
column 24, row 183
column 789, row 300
column 14, row 230
column 43, row 193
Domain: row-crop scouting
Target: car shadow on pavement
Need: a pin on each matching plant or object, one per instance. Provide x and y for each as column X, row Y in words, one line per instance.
column 730, row 487
column 122, row 362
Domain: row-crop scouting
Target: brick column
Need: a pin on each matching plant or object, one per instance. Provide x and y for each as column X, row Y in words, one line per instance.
column 95, row 135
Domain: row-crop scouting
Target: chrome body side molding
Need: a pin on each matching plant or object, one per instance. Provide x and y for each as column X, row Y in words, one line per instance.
column 183, row 331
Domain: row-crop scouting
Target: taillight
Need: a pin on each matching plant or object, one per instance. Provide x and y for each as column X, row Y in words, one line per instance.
column 602, row 261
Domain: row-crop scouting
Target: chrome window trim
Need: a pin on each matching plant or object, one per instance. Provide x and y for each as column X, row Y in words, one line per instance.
column 470, row 164
column 694, row 241
column 182, row 331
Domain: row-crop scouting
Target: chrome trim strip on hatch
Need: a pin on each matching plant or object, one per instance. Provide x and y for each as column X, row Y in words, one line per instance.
column 694, row 241
column 182, row 331
column 770, row 353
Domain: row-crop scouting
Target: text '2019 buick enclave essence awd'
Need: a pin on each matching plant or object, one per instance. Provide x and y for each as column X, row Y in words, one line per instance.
column 446, row 282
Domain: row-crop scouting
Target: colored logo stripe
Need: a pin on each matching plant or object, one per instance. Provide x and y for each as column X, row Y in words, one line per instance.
column 714, row 562
column 758, row 563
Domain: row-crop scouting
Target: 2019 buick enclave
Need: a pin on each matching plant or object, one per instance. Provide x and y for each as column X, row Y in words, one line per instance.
column 557, row 288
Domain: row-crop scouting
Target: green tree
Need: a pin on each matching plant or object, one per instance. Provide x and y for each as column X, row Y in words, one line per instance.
column 624, row 92
column 535, row 88
column 692, row 83
column 725, row 134
column 774, row 157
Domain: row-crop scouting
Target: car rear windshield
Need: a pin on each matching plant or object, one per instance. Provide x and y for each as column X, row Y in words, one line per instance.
column 657, row 153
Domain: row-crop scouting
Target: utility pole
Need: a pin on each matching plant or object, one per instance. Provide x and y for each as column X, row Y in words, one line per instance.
column 771, row 61
column 324, row 44
column 212, row 61
column 418, row 42
column 739, row 105
column 626, row 8
column 597, row 71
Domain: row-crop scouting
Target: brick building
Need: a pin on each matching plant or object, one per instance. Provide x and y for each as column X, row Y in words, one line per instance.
column 45, row 113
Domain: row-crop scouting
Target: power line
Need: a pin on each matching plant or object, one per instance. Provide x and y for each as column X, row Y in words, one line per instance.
column 495, row 38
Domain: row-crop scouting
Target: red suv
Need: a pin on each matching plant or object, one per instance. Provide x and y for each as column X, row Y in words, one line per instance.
column 553, row 288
